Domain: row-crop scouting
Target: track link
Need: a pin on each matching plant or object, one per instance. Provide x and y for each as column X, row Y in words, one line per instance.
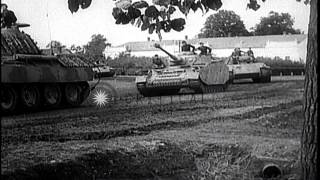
column 213, row 88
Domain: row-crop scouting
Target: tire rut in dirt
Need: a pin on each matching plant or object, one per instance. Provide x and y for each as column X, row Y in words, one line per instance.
column 138, row 131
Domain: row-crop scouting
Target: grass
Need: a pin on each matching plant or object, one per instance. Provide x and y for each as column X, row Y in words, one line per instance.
column 259, row 121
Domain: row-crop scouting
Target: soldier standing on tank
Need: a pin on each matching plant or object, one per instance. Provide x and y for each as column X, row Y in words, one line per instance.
column 235, row 55
column 204, row 50
column 250, row 53
column 8, row 17
column 158, row 62
column 187, row 47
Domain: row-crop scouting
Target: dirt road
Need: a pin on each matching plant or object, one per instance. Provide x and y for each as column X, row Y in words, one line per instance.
column 229, row 134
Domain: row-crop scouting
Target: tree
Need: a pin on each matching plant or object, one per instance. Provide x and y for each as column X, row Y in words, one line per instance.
column 276, row 24
column 77, row 49
column 55, row 44
column 309, row 148
column 222, row 24
column 309, row 140
column 96, row 46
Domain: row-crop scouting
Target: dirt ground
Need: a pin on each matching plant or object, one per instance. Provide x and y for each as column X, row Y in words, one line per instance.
column 227, row 135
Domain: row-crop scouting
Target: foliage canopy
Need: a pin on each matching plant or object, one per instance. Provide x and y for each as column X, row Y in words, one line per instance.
column 276, row 24
column 222, row 24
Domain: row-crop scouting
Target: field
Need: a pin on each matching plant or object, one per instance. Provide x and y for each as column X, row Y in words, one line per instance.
column 227, row 135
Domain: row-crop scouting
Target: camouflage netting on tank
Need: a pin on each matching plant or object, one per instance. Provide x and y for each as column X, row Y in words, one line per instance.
column 72, row 60
column 15, row 42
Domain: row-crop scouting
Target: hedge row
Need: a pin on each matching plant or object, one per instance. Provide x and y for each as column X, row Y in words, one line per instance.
column 131, row 65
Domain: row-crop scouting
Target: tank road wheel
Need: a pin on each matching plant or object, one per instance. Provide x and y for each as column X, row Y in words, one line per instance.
column 73, row 94
column 172, row 92
column 213, row 88
column 256, row 80
column 9, row 99
column 85, row 92
column 52, row 95
column 143, row 90
column 266, row 79
column 30, row 97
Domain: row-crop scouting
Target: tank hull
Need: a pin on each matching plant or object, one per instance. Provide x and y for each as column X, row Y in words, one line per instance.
column 49, row 86
column 44, row 74
column 258, row 72
column 170, row 81
column 31, row 81
column 202, row 74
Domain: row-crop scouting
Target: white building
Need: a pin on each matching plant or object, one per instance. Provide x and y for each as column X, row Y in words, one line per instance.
column 293, row 47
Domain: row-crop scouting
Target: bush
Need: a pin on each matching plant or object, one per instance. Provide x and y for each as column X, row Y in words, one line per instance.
column 284, row 67
column 280, row 63
column 130, row 65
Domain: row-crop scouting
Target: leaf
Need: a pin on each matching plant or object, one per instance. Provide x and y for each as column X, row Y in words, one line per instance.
column 85, row 3
column 163, row 13
column 152, row 11
column 125, row 19
column 133, row 21
column 140, row 4
column 158, row 26
column 165, row 25
column 175, row 2
column 205, row 5
column 152, row 28
column 145, row 25
column 133, row 12
column 186, row 6
column 178, row 24
column 162, row 2
column 194, row 7
column 159, row 36
column 171, row 10
column 200, row 6
column 253, row 5
column 138, row 22
column 118, row 21
column 123, row 4
column 116, row 12
column 73, row 5
column 214, row 4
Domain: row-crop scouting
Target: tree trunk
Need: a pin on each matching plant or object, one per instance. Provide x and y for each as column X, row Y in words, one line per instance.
column 309, row 141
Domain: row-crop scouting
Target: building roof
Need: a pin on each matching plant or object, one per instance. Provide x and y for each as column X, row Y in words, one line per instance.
column 219, row 42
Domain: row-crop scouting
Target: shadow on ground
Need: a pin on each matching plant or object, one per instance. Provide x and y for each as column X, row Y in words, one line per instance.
column 159, row 160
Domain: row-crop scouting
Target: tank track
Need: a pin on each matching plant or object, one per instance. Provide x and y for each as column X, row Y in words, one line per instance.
column 29, row 97
column 213, row 88
column 150, row 92
column 202, row 89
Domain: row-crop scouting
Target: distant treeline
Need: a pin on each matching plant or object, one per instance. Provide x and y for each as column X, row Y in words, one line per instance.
column 283, row 67
column 131, row 65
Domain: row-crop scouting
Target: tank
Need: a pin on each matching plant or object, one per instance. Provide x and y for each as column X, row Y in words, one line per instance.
column 244, row 67
column 202, row 74
column 32, row 81
column 103, row 71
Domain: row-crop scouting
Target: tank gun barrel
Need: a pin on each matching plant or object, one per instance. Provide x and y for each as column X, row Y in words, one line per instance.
column 21, row 25
column 176, row 59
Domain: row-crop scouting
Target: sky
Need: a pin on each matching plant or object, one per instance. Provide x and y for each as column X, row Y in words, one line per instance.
column 52, row 20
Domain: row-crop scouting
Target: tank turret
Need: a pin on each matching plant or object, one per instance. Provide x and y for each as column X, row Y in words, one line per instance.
column 32, row 81
column 243, row 66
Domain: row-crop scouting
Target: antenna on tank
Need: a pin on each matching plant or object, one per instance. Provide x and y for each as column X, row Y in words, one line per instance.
column 49, row 28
